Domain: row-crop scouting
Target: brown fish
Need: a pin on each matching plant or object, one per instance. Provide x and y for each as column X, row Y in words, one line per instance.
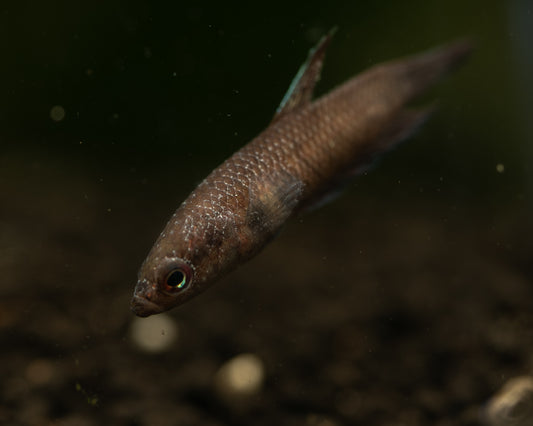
column 309, row 149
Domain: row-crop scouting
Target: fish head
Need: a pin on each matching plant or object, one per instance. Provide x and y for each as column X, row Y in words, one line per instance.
column 162, row 284
column 186, row 259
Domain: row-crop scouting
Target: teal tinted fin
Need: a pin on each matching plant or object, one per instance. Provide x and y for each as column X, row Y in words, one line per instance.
column 301, row 89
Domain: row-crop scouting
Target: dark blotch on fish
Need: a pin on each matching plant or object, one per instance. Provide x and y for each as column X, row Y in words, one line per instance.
column 306, row 153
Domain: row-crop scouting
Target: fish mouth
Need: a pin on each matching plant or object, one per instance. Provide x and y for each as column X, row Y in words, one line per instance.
column 143, row 307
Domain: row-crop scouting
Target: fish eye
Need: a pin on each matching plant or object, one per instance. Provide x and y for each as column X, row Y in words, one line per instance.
column 174, row 275
column 176, row 279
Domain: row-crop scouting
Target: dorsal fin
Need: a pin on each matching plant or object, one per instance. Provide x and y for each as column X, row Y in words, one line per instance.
column 301, row 89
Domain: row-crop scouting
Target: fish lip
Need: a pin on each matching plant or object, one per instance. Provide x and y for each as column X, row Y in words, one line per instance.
column 143, row 307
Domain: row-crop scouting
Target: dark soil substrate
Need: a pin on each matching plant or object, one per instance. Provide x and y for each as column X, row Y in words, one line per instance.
column 370, row 311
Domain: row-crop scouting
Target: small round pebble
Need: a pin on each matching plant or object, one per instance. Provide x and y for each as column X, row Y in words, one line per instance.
column 154, row 334
column 241, row 376
column 513, row 404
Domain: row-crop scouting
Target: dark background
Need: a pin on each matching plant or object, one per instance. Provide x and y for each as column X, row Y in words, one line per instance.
column 407, row 301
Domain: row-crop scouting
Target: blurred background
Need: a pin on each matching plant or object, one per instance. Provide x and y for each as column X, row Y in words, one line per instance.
column 406, row 301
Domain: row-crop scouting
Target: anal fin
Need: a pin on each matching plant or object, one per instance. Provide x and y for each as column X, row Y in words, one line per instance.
column 403, row 125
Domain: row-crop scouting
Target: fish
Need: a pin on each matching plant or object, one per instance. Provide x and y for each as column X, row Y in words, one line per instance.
column 310, row 149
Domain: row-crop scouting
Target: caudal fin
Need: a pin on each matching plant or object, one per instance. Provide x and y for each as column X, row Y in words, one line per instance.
column 413, row 75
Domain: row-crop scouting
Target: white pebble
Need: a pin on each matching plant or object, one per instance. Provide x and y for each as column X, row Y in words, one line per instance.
column 154, row 334
column 513, row 404
column 241, row 376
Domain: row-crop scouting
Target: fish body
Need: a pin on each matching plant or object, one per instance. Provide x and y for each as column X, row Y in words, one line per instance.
column 308, row 150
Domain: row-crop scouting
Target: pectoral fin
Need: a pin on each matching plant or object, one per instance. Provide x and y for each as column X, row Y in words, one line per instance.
column 272, row 202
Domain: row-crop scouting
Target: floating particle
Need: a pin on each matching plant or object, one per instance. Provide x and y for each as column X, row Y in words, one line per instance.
column 500, row 168
column 92, row 399
column 154, row 334
column 57, row 113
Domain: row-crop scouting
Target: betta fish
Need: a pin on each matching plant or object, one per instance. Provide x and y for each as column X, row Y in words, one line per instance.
column 308, row 151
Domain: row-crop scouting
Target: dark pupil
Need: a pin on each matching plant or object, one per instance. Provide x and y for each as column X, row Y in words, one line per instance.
column 176, row 279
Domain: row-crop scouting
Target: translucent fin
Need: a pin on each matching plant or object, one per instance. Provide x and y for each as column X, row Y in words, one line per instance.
column 301, row 89
column 272, row 202
column 402, row 126
column 410, row 77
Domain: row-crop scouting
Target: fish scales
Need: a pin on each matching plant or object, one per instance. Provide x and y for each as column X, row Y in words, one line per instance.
column 308, row 150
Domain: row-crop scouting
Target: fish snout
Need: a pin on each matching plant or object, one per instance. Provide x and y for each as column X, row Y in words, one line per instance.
column 142, row 307
column 142, row 303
